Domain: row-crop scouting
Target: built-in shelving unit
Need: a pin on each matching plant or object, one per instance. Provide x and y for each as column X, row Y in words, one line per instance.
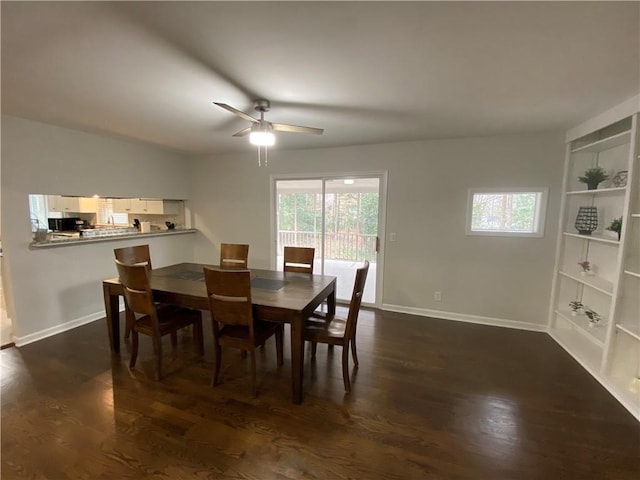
column 596, row 283
column 594, row 238
column 609, row 348
column 600, row 191
column 601, row 145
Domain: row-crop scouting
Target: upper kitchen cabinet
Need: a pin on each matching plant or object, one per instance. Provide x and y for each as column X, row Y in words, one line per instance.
column 146, row 206
column 62, row 204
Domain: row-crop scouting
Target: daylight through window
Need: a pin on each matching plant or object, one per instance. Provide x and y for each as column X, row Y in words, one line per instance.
column 512, row 213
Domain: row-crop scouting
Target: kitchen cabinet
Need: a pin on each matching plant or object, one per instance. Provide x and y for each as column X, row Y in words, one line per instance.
column 121, row 205
column 145, row 206
column 62, row 204
column 594, row 314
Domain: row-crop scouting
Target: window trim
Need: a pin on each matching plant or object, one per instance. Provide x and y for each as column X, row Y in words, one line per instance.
column 540, row 213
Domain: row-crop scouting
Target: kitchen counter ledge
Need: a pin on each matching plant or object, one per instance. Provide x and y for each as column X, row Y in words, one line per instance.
column 66, row 242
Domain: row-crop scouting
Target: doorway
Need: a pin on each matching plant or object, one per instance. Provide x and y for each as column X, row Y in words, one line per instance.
column 342, row 218
column 6, row 330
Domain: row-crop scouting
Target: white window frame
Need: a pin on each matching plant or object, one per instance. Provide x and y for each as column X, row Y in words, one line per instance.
column 539, row 219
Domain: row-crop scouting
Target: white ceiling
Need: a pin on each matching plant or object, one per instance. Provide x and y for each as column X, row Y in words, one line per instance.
column 366, row 72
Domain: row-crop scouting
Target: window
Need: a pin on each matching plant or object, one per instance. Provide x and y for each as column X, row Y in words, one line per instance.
column 38, row 209
column 512, row 212
column 106, row 215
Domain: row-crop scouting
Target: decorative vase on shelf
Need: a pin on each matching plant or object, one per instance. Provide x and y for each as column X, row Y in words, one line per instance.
column 620, row 178
column 587, row 220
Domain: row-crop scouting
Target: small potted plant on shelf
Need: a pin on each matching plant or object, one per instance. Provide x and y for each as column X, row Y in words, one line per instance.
column 576, row 307
column 616, row 226
column 586, row 268
column 594, row 317
column 593, row 176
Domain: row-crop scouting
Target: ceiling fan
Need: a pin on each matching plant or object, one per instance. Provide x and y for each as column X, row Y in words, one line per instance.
column 261, row 132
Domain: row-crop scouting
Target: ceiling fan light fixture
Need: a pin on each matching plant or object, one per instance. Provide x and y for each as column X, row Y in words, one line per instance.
column 262, row 136
column 262, row 139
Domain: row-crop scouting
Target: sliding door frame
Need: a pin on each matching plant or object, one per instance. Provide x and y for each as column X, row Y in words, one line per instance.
column 382, row 175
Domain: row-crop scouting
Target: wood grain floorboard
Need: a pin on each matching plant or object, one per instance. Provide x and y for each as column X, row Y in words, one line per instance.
column 432, row 399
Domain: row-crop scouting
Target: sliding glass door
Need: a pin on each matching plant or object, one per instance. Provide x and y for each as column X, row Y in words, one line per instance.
column 340, row 218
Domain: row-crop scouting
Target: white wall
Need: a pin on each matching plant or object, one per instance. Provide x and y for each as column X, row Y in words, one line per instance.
column 492, row 278
column 51, row 289
column 502, row 280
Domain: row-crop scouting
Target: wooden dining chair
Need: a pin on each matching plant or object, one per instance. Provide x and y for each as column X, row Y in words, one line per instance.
column 299, row 259
column 137, row 255
column 234, row 325
column 234, row 255
column 334, row 330
column 143, row 316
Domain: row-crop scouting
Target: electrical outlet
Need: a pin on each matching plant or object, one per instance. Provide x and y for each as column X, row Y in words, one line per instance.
column 392, row 237
column 437, row 296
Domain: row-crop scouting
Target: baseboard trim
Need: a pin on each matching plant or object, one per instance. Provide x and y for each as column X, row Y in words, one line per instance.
column 463, row 317
column 49, row 332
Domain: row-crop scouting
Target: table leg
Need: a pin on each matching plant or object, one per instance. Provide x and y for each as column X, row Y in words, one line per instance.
column 331, row 302
column 297, row 359
column 112, row 313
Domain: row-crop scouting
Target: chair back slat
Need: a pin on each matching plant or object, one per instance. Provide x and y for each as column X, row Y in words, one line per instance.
column 356, row 299
column 229, row 293
column 234, row 255
column 137, row 292
column 299, row 259
column 138, row 255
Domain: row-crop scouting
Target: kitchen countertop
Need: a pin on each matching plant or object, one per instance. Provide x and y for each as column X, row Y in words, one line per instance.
column 65, row 241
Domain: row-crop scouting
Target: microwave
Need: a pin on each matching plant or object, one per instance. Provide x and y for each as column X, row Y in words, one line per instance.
column 65, row 224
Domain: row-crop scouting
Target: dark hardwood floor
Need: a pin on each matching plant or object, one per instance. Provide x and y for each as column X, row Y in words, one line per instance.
column 432, row 399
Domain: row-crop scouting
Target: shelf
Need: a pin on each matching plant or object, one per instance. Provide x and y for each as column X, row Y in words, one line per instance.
column 594, row 238
column 596, row 333
column 621, row 388
column 587, row 353
column 592, row 281
column 632, row 330
column 598, row 191
column 605, row 143
column 609, row 349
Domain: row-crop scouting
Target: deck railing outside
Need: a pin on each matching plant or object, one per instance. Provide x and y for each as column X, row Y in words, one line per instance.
column 338, row 246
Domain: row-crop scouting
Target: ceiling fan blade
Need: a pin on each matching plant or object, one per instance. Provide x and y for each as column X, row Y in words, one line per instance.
column 242, row 133
column 283, row 127
column 237, row 112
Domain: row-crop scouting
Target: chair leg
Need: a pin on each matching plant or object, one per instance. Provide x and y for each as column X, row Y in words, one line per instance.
column 128, row 324
column 279, row 336
column 345, row 368
column 134, row 350
column 157, row 348
column 314, row 347
column 252, row 354
column 216, row 367
column 354, row 353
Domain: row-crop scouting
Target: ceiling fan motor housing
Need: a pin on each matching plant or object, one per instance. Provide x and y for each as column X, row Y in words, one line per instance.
column 262, row 105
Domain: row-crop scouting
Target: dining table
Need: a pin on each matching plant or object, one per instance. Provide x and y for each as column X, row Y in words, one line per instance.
column 277, row 296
